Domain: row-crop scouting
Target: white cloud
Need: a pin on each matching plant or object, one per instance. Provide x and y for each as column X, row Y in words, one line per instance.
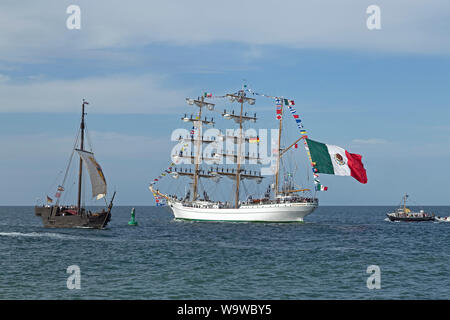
column 441, row 128
column 4, row 78
column 38, row 30
column 406, row 25
column 111, row 94
column 373, row 141
column 20, row 147
column 107, row 144
column 123, row 146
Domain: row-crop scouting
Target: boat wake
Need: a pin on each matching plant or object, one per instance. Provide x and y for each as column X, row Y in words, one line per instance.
column 53, row 235
column 38, row 234
column 388, row 220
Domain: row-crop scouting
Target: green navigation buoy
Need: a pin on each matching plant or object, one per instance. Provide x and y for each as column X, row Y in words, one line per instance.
column 132, row 221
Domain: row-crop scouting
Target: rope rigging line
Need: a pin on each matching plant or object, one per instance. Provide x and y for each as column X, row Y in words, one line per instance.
column 70, row 159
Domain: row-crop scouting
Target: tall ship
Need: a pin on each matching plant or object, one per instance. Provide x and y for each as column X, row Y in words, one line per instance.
column 57, row 215
column 232, row 164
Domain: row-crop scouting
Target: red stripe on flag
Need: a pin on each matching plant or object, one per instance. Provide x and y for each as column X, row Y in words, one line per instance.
column 356, row 166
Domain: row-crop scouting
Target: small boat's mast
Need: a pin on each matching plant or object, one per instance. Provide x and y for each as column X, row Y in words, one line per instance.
column 80, row 171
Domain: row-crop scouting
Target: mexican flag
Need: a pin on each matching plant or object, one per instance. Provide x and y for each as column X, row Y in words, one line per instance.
column 335, row 160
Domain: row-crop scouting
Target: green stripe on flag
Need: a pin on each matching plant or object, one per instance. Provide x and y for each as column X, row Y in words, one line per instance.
column 320, row 155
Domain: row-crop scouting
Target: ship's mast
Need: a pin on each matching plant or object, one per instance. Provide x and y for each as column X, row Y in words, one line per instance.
column 199, row 144
column 200, row 102
column 277, row 172
column 80, row 171
column 241, row 98
column 238, row 159
column 198, row 124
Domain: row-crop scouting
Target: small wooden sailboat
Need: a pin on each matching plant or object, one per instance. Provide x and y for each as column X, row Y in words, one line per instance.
column 405, row 214
column 72, row 216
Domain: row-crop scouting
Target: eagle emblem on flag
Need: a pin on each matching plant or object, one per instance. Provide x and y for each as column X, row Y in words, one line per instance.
column 339, row 159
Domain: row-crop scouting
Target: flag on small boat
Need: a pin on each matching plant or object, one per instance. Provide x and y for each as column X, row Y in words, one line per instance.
column 335, row 160
column 49, row 200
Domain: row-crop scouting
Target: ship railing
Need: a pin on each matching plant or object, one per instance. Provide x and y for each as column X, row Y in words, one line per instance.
column 280, row 201
column 251, row 202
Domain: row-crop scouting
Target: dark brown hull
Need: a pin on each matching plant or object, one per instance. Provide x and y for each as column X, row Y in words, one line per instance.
column 411, row 219
column 52, row 217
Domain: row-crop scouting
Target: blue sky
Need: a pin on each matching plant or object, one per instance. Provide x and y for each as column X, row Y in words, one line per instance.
column 382, row 93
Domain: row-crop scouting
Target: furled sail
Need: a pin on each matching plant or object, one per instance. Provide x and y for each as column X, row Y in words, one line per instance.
column 95, row 173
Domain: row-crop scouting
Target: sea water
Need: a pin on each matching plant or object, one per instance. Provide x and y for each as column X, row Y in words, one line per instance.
column 326, row 257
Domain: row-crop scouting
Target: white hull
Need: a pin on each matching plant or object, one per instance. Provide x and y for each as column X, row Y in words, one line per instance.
column 283, row 212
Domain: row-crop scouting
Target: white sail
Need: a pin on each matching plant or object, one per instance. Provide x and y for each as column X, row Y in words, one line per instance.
column 95, row 173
